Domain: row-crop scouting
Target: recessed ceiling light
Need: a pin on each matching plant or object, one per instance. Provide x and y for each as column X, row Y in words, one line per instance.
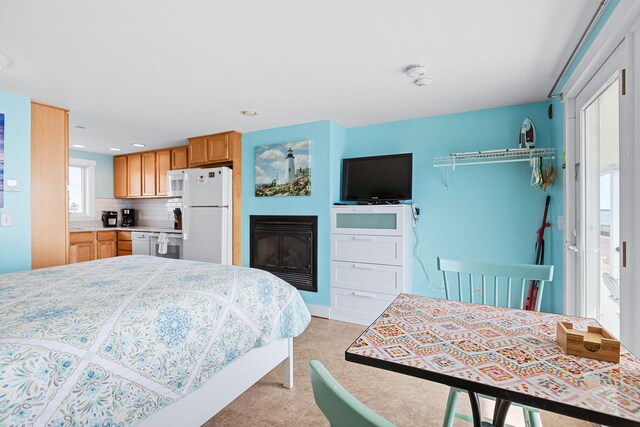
column 423, row 81
column 4, row 61
column 79, row 128
column 77, row 146
column 415, row 70
column 249, row 113
column 115, row 149
column 135, row 144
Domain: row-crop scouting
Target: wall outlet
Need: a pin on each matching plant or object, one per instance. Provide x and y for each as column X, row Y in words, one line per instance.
column 477, row 289
column 6, row 219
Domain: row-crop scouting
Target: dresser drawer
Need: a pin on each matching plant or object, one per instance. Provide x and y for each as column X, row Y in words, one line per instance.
column 367, row 277
column 358, row 306
column 376, row 220
column 367, row 249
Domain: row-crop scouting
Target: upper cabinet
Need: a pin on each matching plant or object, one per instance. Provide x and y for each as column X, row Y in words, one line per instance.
column 145, row 174
column 149, row 174
column 180, row 157
column 134, row 175
column 120, row 181
column 163, row 165
column 211, row 149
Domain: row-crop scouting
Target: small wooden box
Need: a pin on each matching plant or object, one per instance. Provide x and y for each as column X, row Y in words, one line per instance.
column 594, row 343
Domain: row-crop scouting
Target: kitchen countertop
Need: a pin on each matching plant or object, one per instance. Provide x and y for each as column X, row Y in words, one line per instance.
column 136, row 228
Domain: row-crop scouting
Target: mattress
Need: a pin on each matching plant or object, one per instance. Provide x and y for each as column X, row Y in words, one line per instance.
column 112, row 341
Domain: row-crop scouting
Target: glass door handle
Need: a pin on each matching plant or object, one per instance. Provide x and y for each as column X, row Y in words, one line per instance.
column 573, row 248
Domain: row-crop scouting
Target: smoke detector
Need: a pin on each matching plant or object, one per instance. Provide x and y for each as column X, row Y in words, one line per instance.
column 415, row 71
column 423, row 81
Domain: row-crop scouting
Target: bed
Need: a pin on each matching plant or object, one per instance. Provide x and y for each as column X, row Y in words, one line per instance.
column 139, row 340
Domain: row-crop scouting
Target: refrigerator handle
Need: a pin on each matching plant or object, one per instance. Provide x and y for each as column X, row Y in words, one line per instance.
column 185, row 223
column 185, row 189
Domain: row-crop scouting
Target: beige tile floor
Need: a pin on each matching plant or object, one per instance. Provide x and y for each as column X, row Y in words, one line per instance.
column 404, row 400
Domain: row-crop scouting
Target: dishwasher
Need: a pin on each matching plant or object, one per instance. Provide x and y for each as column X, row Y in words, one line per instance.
column 140, row 243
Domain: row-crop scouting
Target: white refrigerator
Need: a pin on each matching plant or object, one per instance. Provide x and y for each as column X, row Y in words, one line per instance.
column 206, row 215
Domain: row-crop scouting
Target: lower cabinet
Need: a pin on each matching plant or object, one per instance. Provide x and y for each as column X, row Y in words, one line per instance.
column 106, row 244
column 81, row 247
column 89, row 245
column 124, row 243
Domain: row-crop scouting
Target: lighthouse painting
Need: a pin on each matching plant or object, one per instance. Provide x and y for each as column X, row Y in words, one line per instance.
column 283, row 169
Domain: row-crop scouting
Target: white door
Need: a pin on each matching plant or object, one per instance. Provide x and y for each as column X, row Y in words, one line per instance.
column 599, row 188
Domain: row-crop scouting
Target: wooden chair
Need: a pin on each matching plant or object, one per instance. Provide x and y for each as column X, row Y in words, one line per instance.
column 465, row 291
column 338, row 405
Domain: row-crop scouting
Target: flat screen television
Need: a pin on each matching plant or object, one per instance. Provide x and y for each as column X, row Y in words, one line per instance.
column 379, row 179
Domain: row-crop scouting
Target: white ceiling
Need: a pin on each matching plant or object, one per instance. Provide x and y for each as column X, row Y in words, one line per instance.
column 157, row 72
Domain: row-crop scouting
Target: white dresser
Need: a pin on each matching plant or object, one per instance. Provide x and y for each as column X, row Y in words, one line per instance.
column 371, row 259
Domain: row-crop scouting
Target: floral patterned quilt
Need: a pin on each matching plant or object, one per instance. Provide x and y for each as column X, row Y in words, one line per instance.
column 109, row 342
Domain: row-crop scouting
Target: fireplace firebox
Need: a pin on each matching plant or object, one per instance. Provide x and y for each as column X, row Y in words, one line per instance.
column 286, row 246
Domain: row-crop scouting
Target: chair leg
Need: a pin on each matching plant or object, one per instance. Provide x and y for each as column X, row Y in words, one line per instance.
column 450, row 411
column 534, row 416
column 527, row 419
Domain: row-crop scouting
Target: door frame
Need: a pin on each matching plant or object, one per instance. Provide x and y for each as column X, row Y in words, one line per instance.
column 621, row 38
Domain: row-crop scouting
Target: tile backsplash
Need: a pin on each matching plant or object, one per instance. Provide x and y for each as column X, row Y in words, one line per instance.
column 155, row 212
column 149, row 212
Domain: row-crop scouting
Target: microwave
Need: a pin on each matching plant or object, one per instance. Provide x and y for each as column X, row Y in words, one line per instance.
column 175, row 183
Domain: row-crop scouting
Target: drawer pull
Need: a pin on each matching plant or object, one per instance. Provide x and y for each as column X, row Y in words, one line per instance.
column 363, row 267
column 364, row 239
column 363, row 294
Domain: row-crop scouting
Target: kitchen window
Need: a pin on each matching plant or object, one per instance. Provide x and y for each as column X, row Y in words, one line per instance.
column 82, row 184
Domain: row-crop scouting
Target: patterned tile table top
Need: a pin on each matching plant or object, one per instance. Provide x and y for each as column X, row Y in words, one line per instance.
column 503, row 348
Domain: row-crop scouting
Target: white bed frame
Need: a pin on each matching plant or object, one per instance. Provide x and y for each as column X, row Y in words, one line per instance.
column 197, row 407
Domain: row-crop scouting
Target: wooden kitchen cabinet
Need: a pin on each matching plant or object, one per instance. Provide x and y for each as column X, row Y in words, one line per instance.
column 179, row 158
column 81, row 247
column 163, row 165
column 120, row 180
column 106, row 244
column 124, row 243
column 148, row 173
column 49, row 198
column 210, row 149
column 197, row 151
column 134, row 175
column 218, row 148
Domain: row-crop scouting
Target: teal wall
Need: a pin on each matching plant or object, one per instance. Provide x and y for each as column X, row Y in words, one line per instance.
column 338, row 136
column 319, row 133
column 489, row 212
column 15, row 242
column 104, row 171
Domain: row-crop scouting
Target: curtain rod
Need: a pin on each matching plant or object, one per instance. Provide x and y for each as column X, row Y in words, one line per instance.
column 587, row 32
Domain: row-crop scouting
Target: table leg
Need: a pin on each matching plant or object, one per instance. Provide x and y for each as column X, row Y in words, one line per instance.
column 499, row 412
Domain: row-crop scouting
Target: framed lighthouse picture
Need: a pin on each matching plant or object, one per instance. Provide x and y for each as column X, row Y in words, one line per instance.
column 283, row 169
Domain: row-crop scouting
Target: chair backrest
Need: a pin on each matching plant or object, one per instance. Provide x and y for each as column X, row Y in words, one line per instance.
column 466, row 270
column 338, row 405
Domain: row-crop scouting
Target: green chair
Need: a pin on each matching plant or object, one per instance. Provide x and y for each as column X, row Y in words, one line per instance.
column 338, row 405
column 466, row 291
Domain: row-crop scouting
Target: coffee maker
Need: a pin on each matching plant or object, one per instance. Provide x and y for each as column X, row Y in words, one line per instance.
column 128, row 217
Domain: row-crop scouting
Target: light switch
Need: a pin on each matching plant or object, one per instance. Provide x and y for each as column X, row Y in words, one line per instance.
column 6, row 219
column 12, row 184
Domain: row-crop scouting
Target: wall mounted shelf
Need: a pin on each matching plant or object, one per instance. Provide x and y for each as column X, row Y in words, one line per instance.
column 507, row 155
